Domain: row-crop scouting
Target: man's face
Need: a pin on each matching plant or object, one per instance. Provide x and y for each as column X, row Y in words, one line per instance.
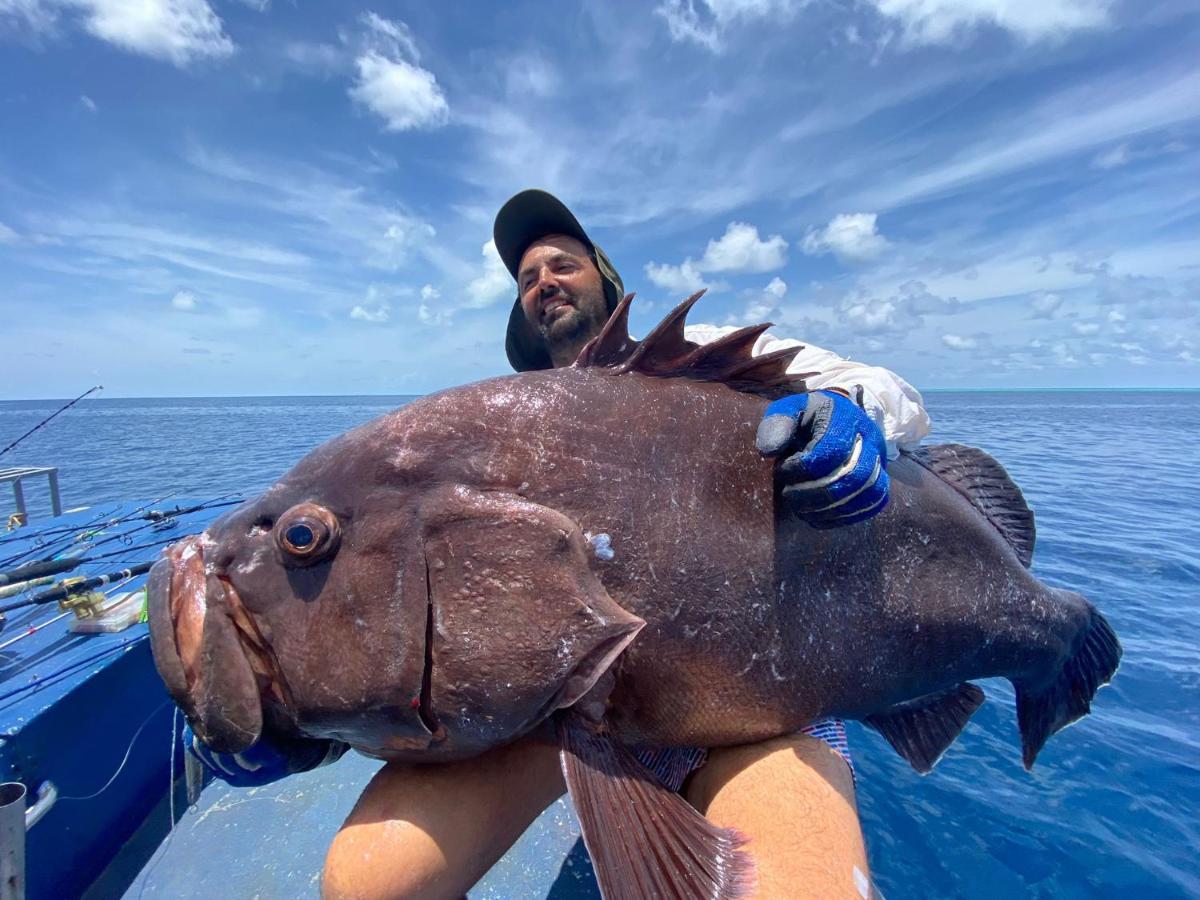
column 562, row 293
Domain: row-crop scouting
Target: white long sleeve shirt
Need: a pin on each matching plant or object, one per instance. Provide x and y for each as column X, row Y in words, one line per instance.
column 894, row 404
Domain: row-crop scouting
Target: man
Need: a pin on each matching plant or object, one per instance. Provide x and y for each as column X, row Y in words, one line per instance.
column 433, row 831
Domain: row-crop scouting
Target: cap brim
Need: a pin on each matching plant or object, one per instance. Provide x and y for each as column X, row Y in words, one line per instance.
column 530, row 215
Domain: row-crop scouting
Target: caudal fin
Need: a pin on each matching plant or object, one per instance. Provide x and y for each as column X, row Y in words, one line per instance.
column 1042, row 712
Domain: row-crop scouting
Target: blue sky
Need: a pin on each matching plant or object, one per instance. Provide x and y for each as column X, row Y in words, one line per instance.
column 208, row 198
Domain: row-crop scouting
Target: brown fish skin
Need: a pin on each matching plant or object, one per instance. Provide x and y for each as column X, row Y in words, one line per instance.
column 753, row 626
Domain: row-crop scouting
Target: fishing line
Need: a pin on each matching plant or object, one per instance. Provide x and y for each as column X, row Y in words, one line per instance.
column 165, row 845
column 78, row 533
column 44, row 421
column 156, row 521
column 125, row 759
column 82, row 532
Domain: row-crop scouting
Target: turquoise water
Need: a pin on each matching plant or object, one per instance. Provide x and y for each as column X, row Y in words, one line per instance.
column 1113, row 805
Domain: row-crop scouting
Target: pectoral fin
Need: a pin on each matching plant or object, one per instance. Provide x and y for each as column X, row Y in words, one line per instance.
column 921, row 730
column 644, row 840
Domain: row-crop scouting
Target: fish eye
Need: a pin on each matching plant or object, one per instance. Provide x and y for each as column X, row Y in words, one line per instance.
column 300, row 536
column 307, row 533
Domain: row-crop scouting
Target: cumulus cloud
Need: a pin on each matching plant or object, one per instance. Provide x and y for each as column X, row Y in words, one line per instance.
column 740, row 249
column 777, row 288
column 87, row 103
column 957, row 342
column 1086, row 329
column 176, row 31
column 705, row 22
column 391, row 84
column 184, row 300
column 374, row 308
column 493, row 283
column 946, row 21
column 896, row 314
column 682, row 279
column 427, row 311
column 852, row 237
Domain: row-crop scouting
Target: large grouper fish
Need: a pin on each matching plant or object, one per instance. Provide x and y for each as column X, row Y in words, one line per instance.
column 599, row 552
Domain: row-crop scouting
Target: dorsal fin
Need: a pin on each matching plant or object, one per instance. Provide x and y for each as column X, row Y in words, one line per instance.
column 664, row 349
column 983, row 481
column 666, row 353
column 613, row 344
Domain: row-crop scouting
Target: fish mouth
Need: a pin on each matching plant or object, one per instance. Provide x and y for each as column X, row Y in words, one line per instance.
column 207, row 648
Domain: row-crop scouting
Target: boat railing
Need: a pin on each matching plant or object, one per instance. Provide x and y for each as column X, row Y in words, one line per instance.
column 15, row 475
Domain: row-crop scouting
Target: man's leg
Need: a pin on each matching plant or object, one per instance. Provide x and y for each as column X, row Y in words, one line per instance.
column 793, row 797
column 433, row 831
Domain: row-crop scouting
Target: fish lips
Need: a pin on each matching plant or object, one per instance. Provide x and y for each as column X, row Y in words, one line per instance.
column 198, row 651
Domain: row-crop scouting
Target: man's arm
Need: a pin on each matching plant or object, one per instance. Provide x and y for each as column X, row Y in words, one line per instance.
column 891, row 402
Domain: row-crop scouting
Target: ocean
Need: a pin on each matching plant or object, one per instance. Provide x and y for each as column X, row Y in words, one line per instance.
column 1112, row 808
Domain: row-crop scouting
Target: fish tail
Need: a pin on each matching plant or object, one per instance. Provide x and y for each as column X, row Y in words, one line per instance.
column 1067, row 696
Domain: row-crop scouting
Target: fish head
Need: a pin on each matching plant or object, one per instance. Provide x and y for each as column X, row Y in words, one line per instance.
column 411, row 619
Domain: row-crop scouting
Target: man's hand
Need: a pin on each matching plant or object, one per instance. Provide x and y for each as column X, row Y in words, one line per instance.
column 833, row 458
column 263, row 762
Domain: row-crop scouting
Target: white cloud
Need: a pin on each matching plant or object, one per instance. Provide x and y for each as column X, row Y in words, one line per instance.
column 177, row 31
column 704, row 22
column 1086, row 329
column 184, row 300
column 390, row 37
column 944, row 21
column 849, row 236
column 1045, row 305
column 88, row 103
column 1115, row 316
column 36, row 15
column 376, row 315
column 493, row 283
column 7, row 235
column 681, row 279
column 403, row 95
column 956, row 342
column 777, row 288
column 426, row 312
column 902, row 312
column 740, row 249
column 391, row 84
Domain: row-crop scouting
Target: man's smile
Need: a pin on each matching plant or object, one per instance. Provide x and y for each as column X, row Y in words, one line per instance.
column 550, row 306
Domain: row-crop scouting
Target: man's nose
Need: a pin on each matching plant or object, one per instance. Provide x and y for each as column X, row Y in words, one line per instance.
column 547, row 282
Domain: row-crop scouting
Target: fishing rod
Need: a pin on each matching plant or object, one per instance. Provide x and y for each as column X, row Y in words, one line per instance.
column 44, row 567
column 78, row 532
column 68, row 589
column 25, row 534
column 157, row 519
column 46, row 420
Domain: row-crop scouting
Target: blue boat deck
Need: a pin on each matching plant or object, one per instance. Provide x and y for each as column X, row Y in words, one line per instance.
column 270, row 842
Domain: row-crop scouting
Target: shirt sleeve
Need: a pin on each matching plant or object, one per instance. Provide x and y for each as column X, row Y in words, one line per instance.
column 894, row 404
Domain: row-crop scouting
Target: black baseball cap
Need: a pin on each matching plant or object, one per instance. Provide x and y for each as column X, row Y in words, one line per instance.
column 527, row 216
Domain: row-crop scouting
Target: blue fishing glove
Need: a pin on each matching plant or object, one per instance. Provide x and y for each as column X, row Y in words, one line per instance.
column 833, row 458
column 263, row 762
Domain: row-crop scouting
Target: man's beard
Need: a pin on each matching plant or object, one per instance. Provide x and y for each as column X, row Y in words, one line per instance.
column 580, row 320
